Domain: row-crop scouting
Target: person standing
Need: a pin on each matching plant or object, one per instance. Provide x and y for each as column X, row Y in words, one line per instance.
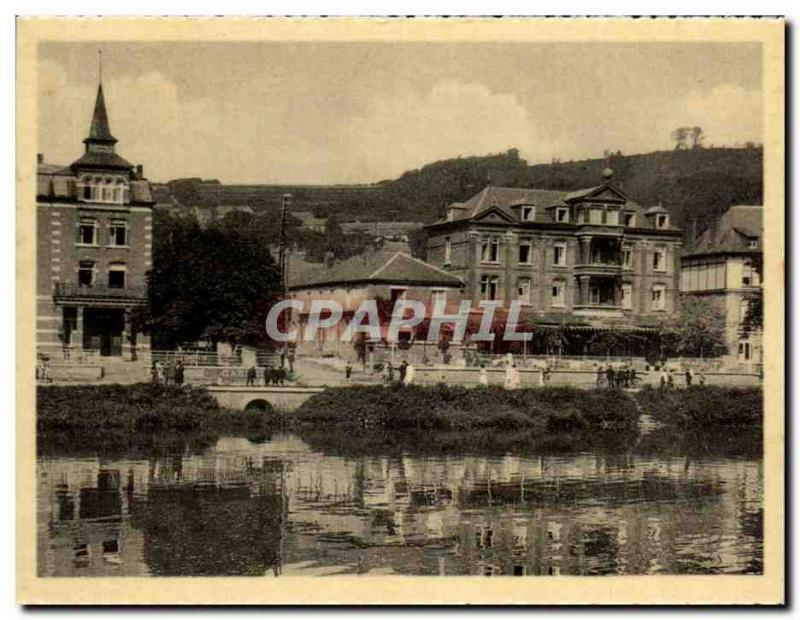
column 610, row 375
column 409, row 377
column 179, row 373
column 402, row 370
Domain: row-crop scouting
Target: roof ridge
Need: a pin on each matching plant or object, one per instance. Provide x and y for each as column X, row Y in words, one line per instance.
column 384, row 266
column 434, row 267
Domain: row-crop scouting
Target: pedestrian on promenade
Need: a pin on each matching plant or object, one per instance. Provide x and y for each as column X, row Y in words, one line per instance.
column 483, row 377
column 409, row 376
column 512, row 377
column 179, row 373
column 402, row 369
column 160, row 372
column 348, row 372
column 610, row 375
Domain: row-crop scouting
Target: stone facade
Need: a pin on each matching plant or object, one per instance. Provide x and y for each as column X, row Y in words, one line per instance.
column 94, row 248
column 592, row 255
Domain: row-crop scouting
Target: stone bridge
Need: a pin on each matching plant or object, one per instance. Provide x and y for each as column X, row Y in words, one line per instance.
column 241, row 397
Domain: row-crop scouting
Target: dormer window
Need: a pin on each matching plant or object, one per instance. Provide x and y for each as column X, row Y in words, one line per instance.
column 562, row 215
column 527, row 213
column 103, row 189
column 662, row 220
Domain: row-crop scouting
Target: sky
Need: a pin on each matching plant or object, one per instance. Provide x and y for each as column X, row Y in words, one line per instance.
column 325, row 113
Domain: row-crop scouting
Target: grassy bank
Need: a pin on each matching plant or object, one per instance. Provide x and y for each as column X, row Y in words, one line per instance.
column 133, row 418
column 455, row 408
column 704, row 420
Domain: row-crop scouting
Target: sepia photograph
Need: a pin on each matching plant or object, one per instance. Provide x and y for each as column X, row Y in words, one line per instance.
column 318, row 302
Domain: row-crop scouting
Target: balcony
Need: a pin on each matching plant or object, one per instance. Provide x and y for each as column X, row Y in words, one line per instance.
column 598, row 269
column 603, row 311
column 64, row 291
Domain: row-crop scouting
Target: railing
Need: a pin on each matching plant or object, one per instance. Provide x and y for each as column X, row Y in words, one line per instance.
column 67, row 289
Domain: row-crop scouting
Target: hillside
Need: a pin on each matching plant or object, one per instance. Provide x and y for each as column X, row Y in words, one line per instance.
column 695, row 185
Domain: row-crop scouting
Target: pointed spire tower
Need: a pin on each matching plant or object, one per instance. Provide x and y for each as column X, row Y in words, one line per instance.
column 100, row 132
column 100, row 145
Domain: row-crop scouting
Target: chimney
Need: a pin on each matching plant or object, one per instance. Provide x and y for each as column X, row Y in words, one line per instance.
column 39, row 158
column 139, row 171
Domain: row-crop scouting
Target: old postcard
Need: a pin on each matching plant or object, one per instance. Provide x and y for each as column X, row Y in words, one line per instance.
column 400, row 311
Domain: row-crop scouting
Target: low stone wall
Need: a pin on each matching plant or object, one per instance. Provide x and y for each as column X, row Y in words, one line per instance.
column 76, row 373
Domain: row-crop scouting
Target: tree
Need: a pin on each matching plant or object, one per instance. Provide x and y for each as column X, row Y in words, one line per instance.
column 697, row 136
column 212, row 284
column 700, row 329
column 679, row 136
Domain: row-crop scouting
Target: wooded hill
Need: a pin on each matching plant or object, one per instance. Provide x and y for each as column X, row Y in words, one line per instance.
column 695, row 185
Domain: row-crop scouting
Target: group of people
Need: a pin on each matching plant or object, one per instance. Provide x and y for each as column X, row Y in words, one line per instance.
column 609, row 376
column 171, row 373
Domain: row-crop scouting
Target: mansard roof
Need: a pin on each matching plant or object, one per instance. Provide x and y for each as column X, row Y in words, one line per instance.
column 733, row 232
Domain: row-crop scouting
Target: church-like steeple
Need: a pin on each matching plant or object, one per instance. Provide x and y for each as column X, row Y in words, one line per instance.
column 100, row 132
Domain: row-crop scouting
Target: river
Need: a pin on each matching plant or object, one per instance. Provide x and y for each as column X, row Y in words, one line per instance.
column 280, row 507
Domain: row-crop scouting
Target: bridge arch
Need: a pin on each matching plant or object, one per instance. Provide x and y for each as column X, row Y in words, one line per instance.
column 259, row 405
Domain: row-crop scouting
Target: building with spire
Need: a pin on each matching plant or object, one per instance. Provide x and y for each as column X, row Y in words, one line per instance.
column 94, row 248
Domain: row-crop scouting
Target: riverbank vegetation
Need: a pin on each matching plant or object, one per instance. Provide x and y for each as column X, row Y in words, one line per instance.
column 135, row 418
column 150, row 418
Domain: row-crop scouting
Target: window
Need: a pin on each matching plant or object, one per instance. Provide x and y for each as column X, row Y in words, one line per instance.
column 528, row 213
column 629, row 219
column 113, row 190
column 744, row 350
column 660, row 259
column 86, row 274
column 489, row 286
column 448, row 250
column 490, row 250
column 627, row 296
column 116, row 275
column 627, row 257
column 524, row 290
column 87, row 231
column 557, row 294
column 525, row 252
column 559, row 254
column 438, row 297
column 659, row 297
column 562, row 215
column 118, row 233
column 662, row 220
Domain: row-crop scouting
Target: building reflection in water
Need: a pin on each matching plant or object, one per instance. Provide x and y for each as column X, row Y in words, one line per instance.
column 279, row 507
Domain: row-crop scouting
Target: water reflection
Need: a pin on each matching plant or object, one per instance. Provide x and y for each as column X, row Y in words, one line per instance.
column 282, row 508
